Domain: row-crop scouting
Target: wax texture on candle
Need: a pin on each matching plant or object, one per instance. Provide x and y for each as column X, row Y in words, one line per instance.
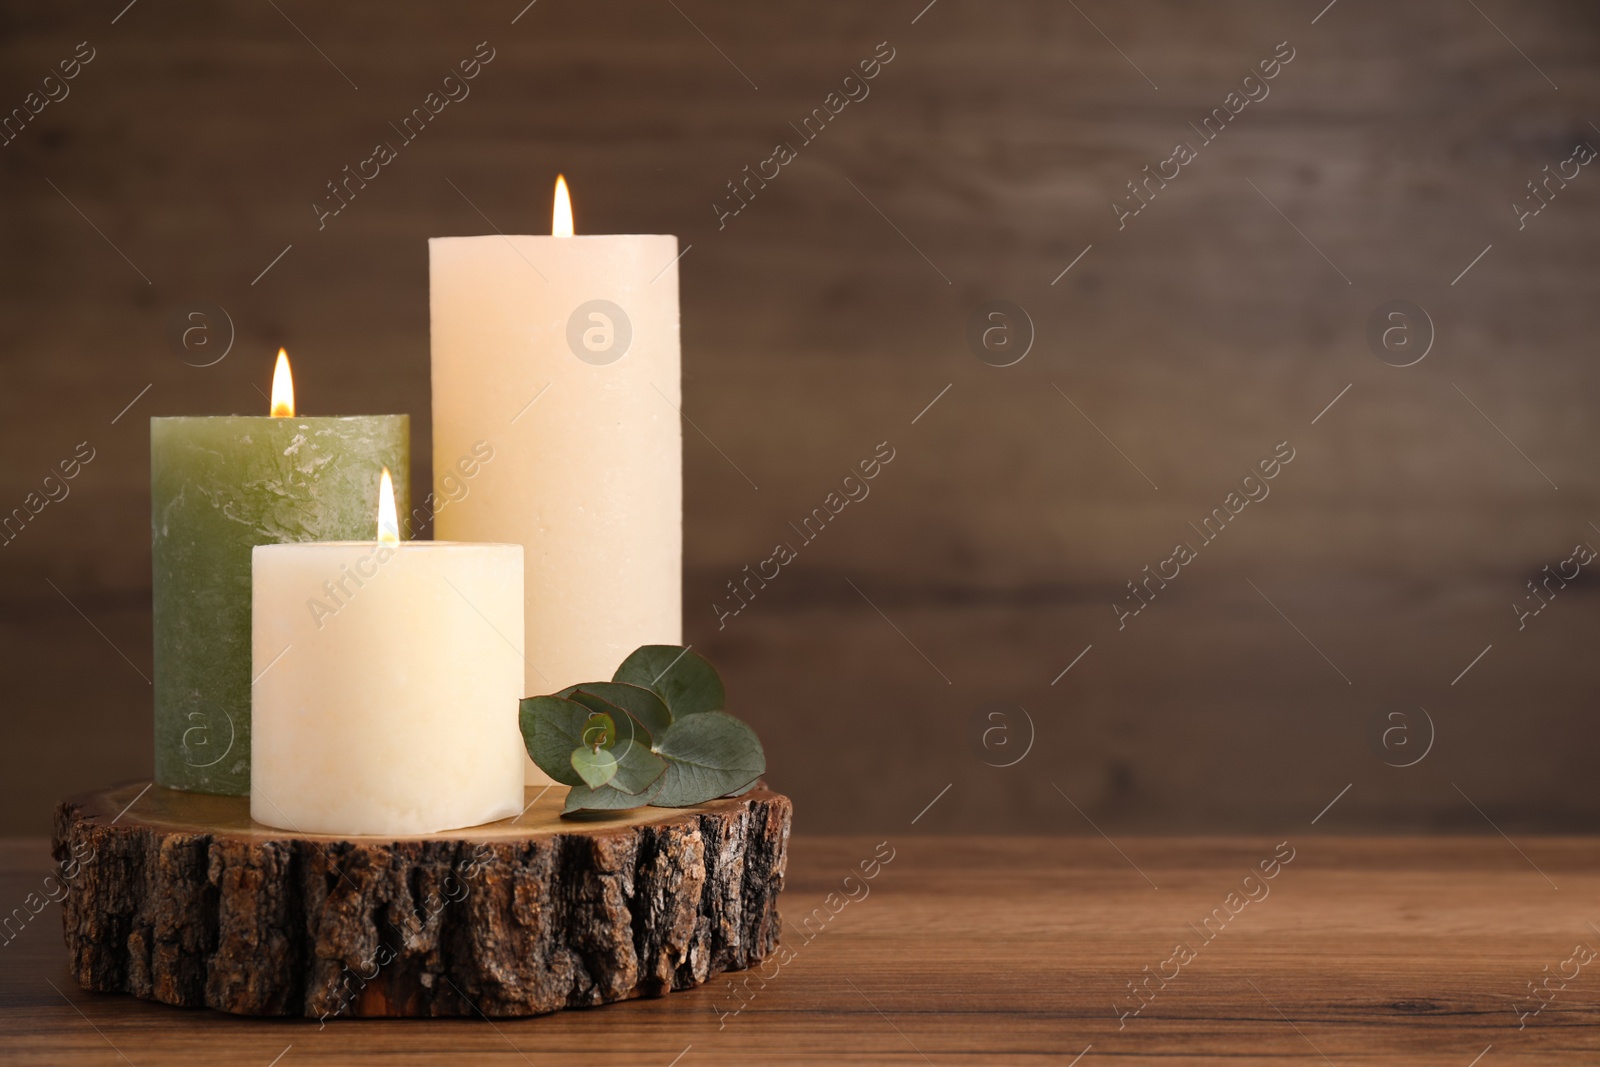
column 561, row 353
column 218, row 487
column 393, row 709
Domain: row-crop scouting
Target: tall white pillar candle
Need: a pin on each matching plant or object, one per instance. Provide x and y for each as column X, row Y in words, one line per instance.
column 560, row 354
column 387, row 685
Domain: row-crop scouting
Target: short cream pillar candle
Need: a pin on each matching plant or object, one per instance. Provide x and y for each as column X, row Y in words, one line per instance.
column 387, row 680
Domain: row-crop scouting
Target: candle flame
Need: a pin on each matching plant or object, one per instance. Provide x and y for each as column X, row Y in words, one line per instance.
column 561, row 218
column 388, row 521
column 282, row 388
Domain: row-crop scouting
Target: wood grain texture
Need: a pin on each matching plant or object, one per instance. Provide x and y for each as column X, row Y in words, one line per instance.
column 183, row 899
column 1195, row 339
column 1406, row 951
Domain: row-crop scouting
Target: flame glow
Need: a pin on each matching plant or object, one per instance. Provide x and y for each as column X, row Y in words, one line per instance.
column 388, row 520
column 561, row 217
column 282, row 388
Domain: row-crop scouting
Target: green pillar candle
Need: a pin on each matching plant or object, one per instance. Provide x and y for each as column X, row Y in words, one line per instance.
column 218, row 487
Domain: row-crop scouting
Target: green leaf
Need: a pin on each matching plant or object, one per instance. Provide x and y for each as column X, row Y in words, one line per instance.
column 708, row 755
column 599, row 730
column 551, row 729
column 615, row 697
column 596, row 766
column 687, row 682
column 655, row 734
column 607, row 798
column 637, row 767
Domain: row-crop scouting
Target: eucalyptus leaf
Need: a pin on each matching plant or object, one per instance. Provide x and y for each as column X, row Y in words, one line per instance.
column 596, row 766
column 688, row 683
column 615, row 697
column 655, row 734
column 599, row 730
column 607, row 798
column 637, row 767
column 551, row 729
column 708, row 755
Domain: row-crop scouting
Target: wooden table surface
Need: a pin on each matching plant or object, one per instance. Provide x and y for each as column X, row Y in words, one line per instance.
column 1399, row 950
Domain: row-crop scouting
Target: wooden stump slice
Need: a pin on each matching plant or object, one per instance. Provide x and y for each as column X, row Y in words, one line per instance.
column 183, row 899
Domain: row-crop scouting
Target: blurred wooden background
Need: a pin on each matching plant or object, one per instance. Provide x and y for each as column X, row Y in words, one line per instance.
column 828, row 314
